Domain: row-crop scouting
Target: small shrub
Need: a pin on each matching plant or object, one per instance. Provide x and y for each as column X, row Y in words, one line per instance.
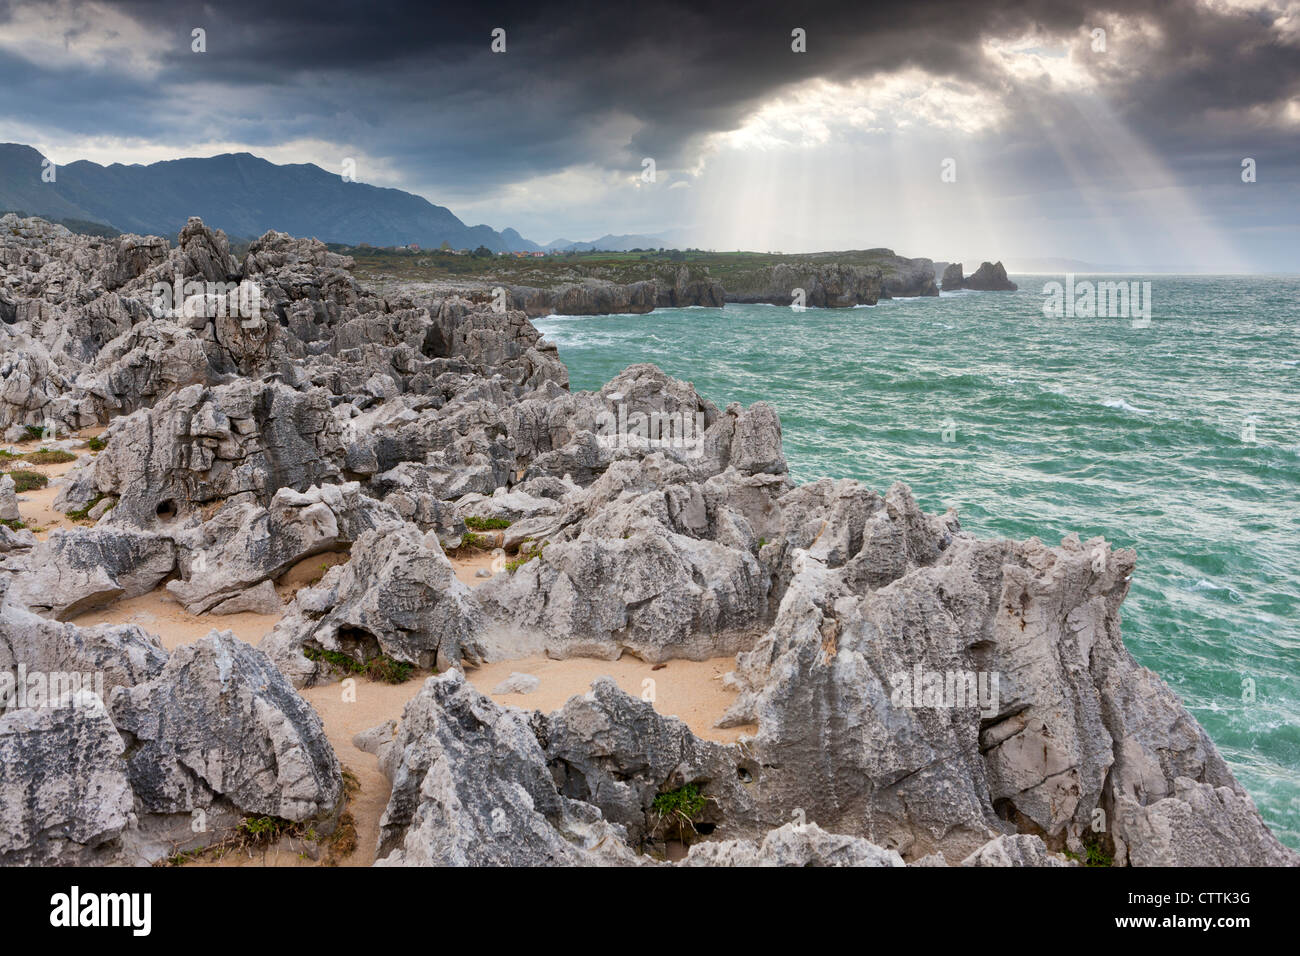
column 96, row 443
column 343, row 842
column 387, row 670
column 34, row 431
column 263, row 830
column 680, row 807
column 379, row 668
column 1094, row 852
column 517, row 562
column 349, row 665
column 17, row 524
column 27, row 480
column 83, row 514
column 474, row 541
column 46, row 456
column 475, row 523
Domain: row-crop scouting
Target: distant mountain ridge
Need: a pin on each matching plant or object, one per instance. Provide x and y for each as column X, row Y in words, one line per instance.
column 610, row 243
column 241, row 194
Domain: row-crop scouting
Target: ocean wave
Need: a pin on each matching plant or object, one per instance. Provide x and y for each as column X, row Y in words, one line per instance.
column 1203, row 586
column 1124, row 406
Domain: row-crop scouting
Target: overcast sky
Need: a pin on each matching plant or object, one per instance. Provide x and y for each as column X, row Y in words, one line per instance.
column 1124, row 147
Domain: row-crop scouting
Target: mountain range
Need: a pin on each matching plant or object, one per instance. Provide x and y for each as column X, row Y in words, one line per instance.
column 241, row 194
column 245, row 195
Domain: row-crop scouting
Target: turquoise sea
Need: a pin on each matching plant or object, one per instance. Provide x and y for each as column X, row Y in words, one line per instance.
column 1180, row 439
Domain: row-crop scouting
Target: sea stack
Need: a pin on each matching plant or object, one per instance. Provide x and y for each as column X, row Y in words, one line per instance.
column 989, row 277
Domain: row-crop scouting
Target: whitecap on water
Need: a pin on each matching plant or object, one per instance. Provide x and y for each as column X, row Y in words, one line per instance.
column 1204, row 585
column 1124, row 406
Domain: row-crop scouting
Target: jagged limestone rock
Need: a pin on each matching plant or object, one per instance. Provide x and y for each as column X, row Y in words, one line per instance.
column 64, row 795
column 793, row 844
column 397, row 595
column 220, row 722
column 72, row 571
column 63, row 658
column 1021, row 849
column 245, row 546
column 471, row 787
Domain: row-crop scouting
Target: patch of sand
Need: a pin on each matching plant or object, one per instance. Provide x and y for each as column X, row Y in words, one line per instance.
column 160, row 613
column 36, row 507
column 307, row 573
column 344, row 719
column 467, row 563
column 689, row 690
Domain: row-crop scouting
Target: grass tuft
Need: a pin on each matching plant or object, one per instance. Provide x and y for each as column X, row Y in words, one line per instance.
column 522, row 558
column 379, row 668
column 475, row 523
column 1094, row 852
column 83, row 514
column 27, row 480
column 47, row 456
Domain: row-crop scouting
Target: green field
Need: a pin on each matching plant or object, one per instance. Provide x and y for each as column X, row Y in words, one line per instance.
column 731, row 268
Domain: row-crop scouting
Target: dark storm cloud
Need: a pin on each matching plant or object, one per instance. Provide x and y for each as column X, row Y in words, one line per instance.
column 417, row 85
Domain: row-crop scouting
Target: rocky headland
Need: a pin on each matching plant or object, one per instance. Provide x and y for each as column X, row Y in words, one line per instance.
column 907, row 692
column 637, row 286
column 989, row 277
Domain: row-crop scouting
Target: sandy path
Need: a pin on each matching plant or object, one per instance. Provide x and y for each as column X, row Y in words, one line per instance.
column 160, row 613
column 689, row 690
column 467, row 563
column 344, row 719
column 37, row 506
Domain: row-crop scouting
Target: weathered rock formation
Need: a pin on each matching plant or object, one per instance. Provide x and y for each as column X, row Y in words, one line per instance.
column 917, row 694
column 989, row 277
column 952, row 277
column 113, row 752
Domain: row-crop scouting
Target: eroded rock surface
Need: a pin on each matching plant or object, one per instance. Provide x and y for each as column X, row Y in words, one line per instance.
column 918, row 694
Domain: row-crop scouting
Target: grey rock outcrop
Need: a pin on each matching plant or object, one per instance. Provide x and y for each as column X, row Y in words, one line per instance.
column 617, row 753
column 990, row 277
column 8, row 500
column 471, row 787
column 246, row 546
column 952, row 278
column 1073, row 726
column 64, row 795
column 671, row 290
column 793, row 844
column 1020, row 850
column 49, row 659
column 825, row 286
column 220, row 723
column 397, row 595
column 202, row 445
column 72, row 571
